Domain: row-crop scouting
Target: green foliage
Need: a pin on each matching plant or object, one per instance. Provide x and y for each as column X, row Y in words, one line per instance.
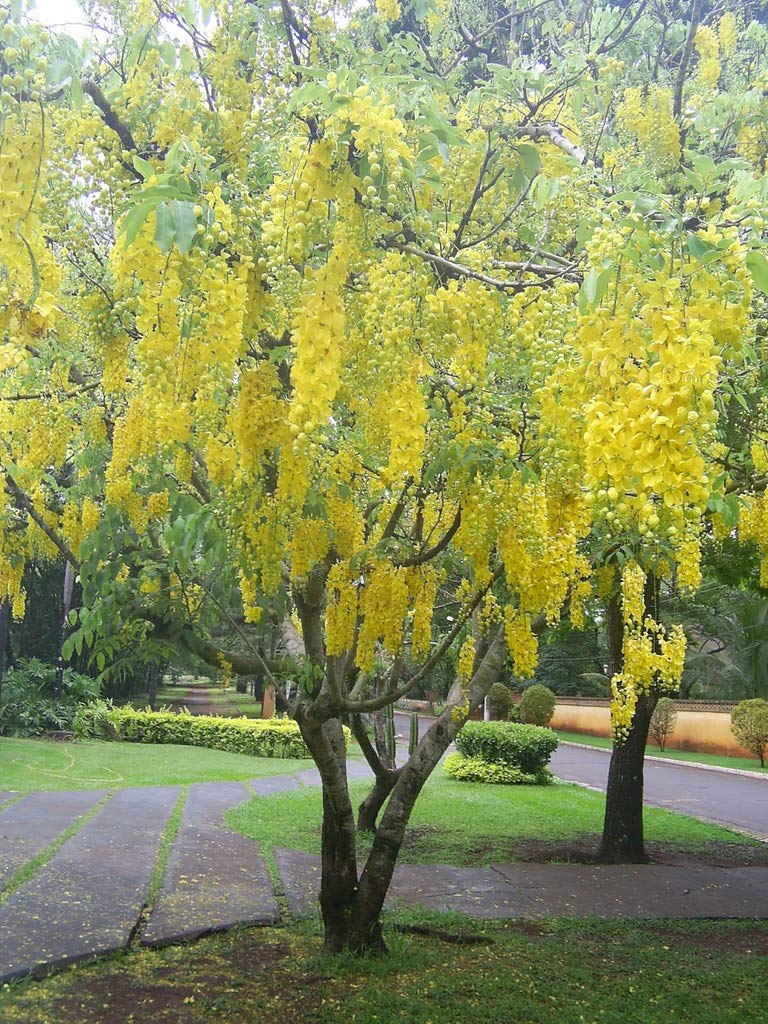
column 259, row 737
column 749, row 723
column 390, row 731
column 663, row 721
column 527, row 748
column 500, row 702
column 27, row 706
column 475, row 769
column 413, row 738
column 537, row 705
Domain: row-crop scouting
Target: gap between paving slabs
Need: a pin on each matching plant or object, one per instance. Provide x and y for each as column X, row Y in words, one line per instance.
column 87, row 899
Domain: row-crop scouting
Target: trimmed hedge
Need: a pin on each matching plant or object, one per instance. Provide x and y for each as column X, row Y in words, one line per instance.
column 260, row 737
column 527, row 748
column 475, row 769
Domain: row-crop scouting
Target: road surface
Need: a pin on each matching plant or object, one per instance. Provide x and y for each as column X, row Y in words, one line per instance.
column 734, row 800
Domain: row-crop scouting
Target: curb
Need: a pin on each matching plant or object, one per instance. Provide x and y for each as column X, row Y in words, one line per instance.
column 674, row 761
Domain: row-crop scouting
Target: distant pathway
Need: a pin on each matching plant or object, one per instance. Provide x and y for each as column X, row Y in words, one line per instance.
column 91, row 895
column 733, row 800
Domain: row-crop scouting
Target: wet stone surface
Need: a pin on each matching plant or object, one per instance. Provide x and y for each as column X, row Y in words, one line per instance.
column 215, row 878
column 31, row 824
column 87, row 899
column 273, row 784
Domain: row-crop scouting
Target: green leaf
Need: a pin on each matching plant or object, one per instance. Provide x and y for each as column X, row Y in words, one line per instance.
column 144, row 167
column 165, row 229
column 135, row 219
column 757, row 265
column 76, row 88
column 530, row 159
column 699, row 247
column 186, row 224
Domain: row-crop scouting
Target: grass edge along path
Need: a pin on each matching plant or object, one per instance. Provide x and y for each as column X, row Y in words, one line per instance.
column 469, row 824
column 748, row 764
column 30, row 868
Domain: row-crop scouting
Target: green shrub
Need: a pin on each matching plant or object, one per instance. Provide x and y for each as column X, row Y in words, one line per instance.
column 749, row 724
column 260, row 737
column 527, row 748
column 537, row 705
column 27, row 706
column 475, row 769
column 500, row 702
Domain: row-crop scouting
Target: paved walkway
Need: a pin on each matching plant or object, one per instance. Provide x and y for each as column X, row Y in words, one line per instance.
column 92, row 895
column 732, row 800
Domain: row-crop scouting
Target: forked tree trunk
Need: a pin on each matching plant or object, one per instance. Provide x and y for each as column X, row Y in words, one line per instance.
column 351, row 911
column 368, row 811
column 377, row 874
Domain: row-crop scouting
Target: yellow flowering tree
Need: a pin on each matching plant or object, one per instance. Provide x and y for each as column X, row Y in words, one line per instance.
column 305, row 318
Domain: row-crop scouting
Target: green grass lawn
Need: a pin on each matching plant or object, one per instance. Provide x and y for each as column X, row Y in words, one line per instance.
column 550, row 972
column 471, row 824
column 750, row 764
column 27, row 765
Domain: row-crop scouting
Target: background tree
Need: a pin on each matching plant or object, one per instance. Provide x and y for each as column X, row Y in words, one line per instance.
column 663, row 721
column 749, row 722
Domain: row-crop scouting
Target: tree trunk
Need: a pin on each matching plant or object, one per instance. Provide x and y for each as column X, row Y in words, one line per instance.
column 154, row 672
column 66, row 601
column 5, row 615
column 368, row 811
column 377, row 874
column 622, row 841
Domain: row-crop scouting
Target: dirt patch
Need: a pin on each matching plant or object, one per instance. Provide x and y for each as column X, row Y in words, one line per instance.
column 421, row 840
column 249, row 978
column 746, row 939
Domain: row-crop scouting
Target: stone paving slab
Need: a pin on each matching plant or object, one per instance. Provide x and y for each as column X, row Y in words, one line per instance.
column 32, row 823
column 506, row 891
column 215, row 878
column 355, row 770
column 4, row 797
column 87, row 899
column 272, row 784
column 664, row 891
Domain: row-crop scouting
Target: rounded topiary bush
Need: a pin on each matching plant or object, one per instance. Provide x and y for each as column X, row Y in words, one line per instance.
column 500, row 702
column 527, row 748
column 537, row 705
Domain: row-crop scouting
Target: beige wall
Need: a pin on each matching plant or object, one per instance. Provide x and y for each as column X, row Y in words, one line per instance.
column 703, row 730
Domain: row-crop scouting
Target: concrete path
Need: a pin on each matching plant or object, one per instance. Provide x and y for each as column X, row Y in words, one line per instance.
column 732, row 800
column 215, row 878
column 89, row 898
column 32, row 823
column 504, row 891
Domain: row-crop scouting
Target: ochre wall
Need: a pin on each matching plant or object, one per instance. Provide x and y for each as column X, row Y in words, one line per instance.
column 697, row 729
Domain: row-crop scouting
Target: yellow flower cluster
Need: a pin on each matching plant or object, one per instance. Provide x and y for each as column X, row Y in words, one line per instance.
column 728, row 33
column 384, row 602
column 652, row 655
column 648, row 115
column 407, row 420
column 521, row 642
column 318, row 332
column 708, row 48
